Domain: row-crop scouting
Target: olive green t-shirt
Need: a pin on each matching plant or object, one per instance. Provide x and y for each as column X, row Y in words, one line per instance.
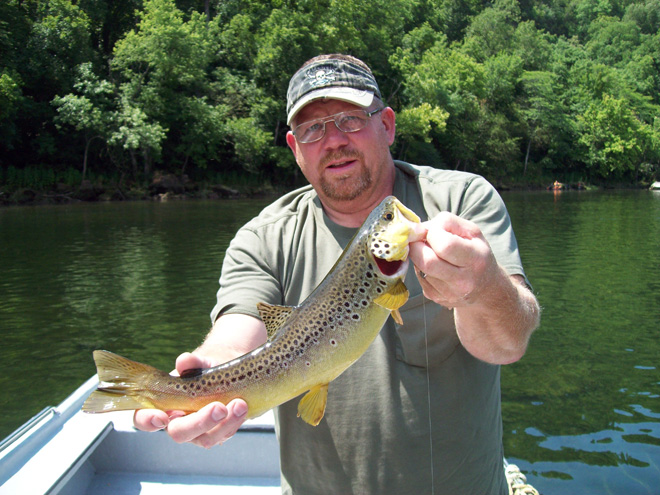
column 391, row 426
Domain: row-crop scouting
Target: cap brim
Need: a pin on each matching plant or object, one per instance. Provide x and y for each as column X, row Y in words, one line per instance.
column 360, row 97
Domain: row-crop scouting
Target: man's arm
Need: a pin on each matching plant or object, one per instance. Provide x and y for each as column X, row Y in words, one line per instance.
column 495, row 313
column 231, row 336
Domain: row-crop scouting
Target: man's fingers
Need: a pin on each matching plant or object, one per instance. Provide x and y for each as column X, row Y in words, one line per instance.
column 454, row 249
column 211, row 425
column 193, row 425
column 455, row 225
column 150, row 419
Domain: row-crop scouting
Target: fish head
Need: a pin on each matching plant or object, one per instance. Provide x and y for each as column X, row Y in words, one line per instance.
column 391, row 229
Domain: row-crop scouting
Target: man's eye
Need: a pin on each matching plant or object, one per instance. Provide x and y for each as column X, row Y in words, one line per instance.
column 347, row 119
column 351, row 122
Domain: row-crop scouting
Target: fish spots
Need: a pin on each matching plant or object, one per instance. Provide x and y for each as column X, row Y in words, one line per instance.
column 380, row 249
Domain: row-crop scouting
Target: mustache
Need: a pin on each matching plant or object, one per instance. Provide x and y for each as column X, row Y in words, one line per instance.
column 341, row 155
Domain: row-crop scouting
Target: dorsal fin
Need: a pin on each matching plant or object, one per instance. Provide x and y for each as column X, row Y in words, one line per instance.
column 273, row 316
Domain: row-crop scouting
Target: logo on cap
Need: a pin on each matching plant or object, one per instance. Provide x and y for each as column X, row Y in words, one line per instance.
column 321, row 76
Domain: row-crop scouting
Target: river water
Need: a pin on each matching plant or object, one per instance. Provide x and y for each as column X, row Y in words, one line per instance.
column 581, row 409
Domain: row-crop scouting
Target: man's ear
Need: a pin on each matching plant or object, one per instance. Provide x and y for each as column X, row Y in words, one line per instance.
column 291, row 142
column 389, row 122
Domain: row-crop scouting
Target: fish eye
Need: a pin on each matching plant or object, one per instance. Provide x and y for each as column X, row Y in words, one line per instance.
column 388, row 216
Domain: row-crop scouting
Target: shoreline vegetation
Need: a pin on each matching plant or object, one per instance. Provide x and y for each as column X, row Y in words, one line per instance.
column 162, row 187
column 98, row 98
column 166, row 186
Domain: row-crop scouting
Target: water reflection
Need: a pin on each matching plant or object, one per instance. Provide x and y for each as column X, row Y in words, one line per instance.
column 137, row 278
column 579, row 408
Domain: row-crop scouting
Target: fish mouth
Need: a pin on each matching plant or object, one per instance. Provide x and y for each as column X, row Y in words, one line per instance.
column 389, row 268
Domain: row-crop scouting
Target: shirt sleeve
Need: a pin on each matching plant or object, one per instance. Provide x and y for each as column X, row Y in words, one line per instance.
column 483, row 205
column 247, row 276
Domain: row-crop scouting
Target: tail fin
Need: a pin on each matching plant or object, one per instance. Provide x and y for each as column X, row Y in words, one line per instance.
column 121, row 384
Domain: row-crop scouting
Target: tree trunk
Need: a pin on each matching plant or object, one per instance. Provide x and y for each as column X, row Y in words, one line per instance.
column 529, row 145
column 84, row 170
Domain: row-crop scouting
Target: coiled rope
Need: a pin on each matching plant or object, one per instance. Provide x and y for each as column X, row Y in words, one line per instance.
column 517, row 481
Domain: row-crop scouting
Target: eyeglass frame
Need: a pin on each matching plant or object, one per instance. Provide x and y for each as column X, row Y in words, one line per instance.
column 333, row 118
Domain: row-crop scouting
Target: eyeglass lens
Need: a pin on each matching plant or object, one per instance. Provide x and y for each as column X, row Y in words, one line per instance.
column 352, row 121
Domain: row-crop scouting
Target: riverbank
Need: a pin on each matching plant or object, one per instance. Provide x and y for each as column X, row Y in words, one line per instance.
column 163, row 187
column 170, row 187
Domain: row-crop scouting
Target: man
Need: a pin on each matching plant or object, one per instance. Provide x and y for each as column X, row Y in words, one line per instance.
column 420, row 411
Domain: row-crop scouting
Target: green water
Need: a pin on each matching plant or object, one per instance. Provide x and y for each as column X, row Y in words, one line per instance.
column 581, row 410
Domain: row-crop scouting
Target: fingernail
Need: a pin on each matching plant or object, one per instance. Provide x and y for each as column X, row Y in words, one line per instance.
column 240, row 409
column 218, row 414
column 158, row 423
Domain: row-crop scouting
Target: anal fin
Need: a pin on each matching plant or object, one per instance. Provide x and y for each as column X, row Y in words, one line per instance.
column 104, row 401
column 312, row 406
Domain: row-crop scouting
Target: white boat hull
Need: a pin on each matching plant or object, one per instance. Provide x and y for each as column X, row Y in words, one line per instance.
column 63, row 450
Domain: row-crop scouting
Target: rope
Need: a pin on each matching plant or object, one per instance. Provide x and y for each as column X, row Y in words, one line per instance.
column 518, row 482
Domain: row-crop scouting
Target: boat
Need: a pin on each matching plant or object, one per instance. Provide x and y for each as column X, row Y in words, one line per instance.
column 64, row 451
column 655, row 186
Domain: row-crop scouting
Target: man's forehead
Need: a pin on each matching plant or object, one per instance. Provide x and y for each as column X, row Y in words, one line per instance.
column 321, row 108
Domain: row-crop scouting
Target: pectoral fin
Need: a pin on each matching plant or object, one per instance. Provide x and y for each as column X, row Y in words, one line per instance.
column 273, row 316
column 312, row 406
column 394, row 299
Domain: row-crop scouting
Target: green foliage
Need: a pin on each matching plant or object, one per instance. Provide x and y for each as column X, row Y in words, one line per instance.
column 499, row 88
column 616, row 141
column 59, row 41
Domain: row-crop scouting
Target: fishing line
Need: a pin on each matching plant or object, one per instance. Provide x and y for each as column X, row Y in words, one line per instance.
column 428, row 392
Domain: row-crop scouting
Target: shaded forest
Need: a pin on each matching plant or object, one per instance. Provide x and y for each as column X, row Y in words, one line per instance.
column 520, row 92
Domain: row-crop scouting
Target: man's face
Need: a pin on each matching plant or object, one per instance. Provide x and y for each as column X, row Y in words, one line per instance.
column 344, row 166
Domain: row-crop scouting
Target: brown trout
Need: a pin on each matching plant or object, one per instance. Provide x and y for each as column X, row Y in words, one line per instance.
column 308, row 346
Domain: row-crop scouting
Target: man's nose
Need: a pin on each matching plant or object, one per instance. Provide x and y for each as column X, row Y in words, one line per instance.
column 333, row 136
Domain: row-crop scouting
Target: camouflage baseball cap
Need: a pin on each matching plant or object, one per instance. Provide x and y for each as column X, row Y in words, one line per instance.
column 330, row 79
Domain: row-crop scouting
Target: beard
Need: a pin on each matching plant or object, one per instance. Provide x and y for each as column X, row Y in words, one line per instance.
column 352, row 185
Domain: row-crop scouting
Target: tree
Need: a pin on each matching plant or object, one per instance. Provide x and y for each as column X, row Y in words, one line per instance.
column 490, row 32
column 90, row 111
column 645, row 14
column 59, row 40
column 455, row 82
column 615, row 139
column 137, row 133
column 11, row 100
column 612, row 41
column 165, row 95
column 544, row 117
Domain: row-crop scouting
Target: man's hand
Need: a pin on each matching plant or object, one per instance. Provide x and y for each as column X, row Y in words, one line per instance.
column 212, row 425
column 455, row 262
column 495, row 313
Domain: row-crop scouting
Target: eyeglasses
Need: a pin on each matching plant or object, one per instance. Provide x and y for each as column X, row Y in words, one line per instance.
column 353, row 121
